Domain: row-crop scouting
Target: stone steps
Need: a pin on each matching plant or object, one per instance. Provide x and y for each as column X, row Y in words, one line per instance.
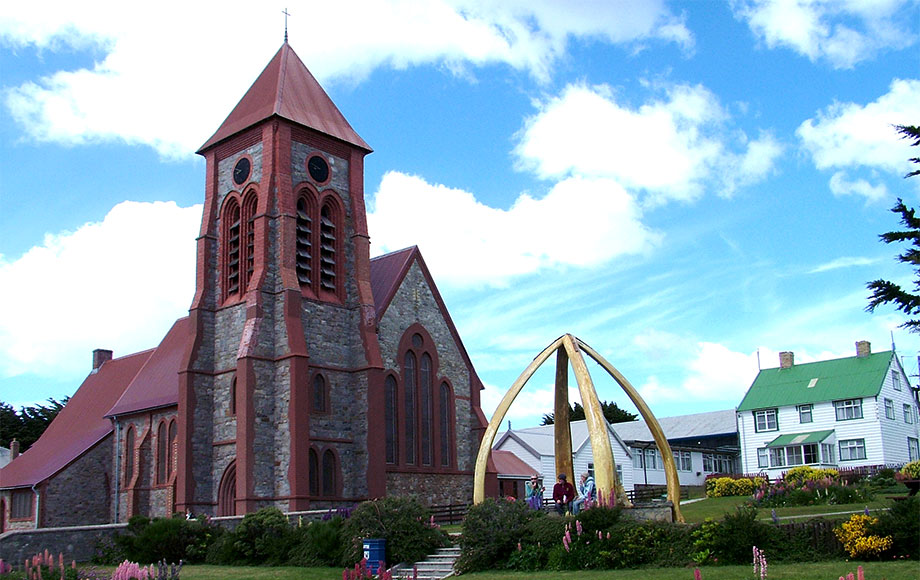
column 434, row 567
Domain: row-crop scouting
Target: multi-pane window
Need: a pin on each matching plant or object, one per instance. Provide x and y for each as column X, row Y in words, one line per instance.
column 647, row 459
column 805, row 413
column 852, row 449
column 889, row 409
column 794, row 455
column 391, row 419
column 791, row 455
column 896, row 380
column 682, row 459
column 913, row 449
column 848, row 409
column 717, row 463
column 765, row 420
column 763, row 457
column 21, row 504
column 908, row 413
column 827, row 453
column 777, row 456
column 810, row 453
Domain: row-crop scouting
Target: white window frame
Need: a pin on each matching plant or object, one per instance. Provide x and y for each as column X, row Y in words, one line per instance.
column 852, row 449
column 777, row 456
column 913, row 449
column 817, row 457
column 908, row 413
column 848, row 409
column 766, row 420
column 683, row 461
column 889, row 409
column 794, row 455
column 763, row 457
column 827, row 453
column 806, row 413
column 895, row 380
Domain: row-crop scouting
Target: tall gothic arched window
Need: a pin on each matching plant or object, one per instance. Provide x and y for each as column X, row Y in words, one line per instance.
column 304, row 245
column 445, row 424
column 162, row 453
column 172, row 449
column 314, row 472
column 409, row 395
column 231, row 223
column 249, row 231
column 425, row 408
column 238, row 243
column 129, row 455
column 318, row 243
column 327, row 248
column 391, row 419
column 320, row 401
column 329, row 473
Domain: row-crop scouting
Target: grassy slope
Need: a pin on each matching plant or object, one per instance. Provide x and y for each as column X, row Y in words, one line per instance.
column 716, row 507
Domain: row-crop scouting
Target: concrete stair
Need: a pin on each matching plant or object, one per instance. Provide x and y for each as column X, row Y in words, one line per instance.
column 434, row 567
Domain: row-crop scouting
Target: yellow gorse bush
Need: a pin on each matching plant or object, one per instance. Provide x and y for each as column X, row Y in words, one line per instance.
column 797, row 476
column 856, row 539
column 727, row 486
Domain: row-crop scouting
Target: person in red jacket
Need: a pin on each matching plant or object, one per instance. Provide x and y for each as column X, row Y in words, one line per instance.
column 563, row 494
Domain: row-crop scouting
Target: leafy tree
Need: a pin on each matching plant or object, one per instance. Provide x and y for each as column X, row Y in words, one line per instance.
column 612, row 413
column 884, row 291
column 27, row 424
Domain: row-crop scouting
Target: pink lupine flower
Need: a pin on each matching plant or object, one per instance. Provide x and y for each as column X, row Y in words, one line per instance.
column 578, row 527
column 697, row 575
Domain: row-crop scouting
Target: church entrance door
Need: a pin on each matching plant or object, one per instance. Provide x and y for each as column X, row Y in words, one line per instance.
column 226, row 492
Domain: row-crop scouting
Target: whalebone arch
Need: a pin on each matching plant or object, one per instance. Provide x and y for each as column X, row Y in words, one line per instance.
column 568, row 350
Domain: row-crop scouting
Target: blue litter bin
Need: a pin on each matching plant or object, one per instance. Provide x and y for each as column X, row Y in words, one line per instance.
column 374, row 552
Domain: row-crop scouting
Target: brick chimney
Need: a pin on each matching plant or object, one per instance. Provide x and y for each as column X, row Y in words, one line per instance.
column 863, row 348
column 14, row 449
column 786, row 359
column 100, row 355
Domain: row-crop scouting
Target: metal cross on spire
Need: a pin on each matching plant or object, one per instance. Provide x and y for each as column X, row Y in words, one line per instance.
column 286, row 14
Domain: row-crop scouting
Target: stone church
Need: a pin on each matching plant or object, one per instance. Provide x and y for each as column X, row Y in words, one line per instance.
column 306, row 376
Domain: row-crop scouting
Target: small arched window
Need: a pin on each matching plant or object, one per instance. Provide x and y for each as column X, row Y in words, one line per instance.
column 173, row 448
column 249, row 231
column 390, row 418
column 314, row 472
column 233, row 396
column 319, row 394
column 129, row 455
column 161, row 453
column 329, row 473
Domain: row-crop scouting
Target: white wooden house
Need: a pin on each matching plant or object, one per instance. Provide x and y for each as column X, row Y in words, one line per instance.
column 850, row 412
column 702, row 443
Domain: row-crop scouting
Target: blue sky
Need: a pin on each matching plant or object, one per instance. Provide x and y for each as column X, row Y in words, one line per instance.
column 686, row 186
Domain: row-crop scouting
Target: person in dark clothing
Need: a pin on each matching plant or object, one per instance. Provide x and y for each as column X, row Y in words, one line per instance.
column 563, row 493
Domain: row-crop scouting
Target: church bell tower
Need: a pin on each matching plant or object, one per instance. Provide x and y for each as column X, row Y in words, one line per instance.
column 278, row 390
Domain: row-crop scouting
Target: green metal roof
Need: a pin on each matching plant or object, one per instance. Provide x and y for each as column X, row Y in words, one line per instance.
column 800, row 438
column 831, row 380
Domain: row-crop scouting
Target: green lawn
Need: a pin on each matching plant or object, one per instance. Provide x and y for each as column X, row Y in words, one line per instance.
column 900, row 570
column 717, row 507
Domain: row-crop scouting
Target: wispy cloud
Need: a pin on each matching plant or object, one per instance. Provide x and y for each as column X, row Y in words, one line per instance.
column 844, row 262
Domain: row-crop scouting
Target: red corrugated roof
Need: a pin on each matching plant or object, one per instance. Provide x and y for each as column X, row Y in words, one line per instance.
column 80, row 424
column 387, row 272
column 157, row 383
column 287, row 89
column 507, row 463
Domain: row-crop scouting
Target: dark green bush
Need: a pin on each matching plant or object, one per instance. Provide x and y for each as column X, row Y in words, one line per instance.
column 599, row 518
column 319, row 544
column 902, row 522
column 491, row 532
column 403, row 522
column 737, row 534
column 264, row 537
column 171, row 539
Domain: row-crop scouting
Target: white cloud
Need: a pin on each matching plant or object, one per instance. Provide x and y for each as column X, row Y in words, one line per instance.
column 849, row 137
column 840, row 185
column 669, row 147
column 714, row 374
column 580, row 222
column 528, row 407
column 844, row 32
column 844, row 262
column 119, row 283
column 137, row 71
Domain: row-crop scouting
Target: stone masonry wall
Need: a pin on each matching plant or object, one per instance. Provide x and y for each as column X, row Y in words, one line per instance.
column 71, row 498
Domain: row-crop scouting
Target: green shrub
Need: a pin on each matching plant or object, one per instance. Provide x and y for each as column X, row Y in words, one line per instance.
column 491, row 532
column 902, row 522
column 402, row 521
column 319, row 544
column 599, row 518
column 263, row 537
column 171, row 539
column 737, row 534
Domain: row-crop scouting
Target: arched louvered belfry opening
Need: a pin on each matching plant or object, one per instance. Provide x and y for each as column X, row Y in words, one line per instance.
column 226, row 492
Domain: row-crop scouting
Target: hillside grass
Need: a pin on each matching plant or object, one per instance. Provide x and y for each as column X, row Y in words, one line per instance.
column 717, row 507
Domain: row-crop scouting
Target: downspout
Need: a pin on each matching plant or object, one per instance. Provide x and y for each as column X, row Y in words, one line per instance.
column 37, row 504
column 117, row 466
